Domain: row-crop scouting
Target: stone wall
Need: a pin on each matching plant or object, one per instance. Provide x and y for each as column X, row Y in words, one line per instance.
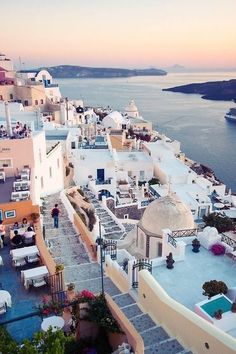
column 132, row 210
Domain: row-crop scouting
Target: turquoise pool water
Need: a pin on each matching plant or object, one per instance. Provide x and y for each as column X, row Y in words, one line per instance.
column 221, row 303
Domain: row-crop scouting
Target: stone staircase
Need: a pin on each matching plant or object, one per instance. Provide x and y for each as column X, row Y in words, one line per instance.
column 112, row 230
column 67, row 248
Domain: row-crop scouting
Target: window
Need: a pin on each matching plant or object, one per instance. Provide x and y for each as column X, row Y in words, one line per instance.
column 26, row 103
column 42, row 182
column 36, row 102
column 1, row 98
column 73, row 145
column 5, row 163
column 58, row 163
column 50, row 172
column 41, row 101
column 11, row 96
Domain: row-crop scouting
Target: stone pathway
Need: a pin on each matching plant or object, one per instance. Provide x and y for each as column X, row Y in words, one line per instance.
column 112, row 230
column 67, row 248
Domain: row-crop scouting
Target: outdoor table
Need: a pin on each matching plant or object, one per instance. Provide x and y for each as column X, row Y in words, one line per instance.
column 21, row 253
column 218, row 205
column 34, row 273
column 56, row 322
column 5, row 298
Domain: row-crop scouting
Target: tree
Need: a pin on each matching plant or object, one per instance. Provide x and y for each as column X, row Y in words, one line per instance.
column 43, row 343
column 220, row 221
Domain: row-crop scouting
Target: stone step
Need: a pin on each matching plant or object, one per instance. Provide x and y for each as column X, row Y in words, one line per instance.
column 124, row 300
column 72, row 260
column 59, row 232
column 79, row 250
column 131, row 311
column 83, row 272
column 154, row 336
column 171, row 346
column 142, row 322
column 95, row 286
column 61, row 241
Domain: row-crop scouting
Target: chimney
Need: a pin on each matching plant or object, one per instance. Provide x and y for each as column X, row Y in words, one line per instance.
column 8, row 119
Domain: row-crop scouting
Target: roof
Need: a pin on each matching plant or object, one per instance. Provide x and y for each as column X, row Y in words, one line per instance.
column 167, row 213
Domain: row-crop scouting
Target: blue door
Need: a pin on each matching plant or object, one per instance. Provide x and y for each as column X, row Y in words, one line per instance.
column 100, row 174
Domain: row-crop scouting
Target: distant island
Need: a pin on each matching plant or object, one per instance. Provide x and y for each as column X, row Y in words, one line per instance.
column 73, row 71
column 214, row 90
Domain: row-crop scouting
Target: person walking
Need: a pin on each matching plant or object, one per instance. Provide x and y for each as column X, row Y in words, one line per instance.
column 55, row 214
column 2, row 233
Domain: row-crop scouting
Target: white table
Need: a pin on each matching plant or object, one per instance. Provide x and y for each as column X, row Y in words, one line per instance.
column 5, row 297
column 34, row 273
column 56, row 322
column 21, row 253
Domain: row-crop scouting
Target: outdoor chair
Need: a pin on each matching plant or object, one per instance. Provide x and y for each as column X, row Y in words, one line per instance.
column 29, row 241
column 19, row 262
column 39, row 282
column 3, row 308
column 32, row 259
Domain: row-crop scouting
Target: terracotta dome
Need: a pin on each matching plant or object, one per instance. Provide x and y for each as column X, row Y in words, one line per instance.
column 167, row 213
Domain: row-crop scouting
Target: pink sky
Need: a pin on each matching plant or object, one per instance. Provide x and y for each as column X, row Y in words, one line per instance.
column 125, row 33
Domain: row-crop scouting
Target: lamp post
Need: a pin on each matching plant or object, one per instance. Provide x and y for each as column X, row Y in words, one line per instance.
column 101, row 255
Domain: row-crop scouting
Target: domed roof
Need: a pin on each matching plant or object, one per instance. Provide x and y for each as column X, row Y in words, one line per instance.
column 167, row 213
column 113, row 119
column 131, row 107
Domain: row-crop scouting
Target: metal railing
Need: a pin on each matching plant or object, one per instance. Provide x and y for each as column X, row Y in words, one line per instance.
column 172, row 240
column 229, row 241
column 107, row 181
column 184, row 233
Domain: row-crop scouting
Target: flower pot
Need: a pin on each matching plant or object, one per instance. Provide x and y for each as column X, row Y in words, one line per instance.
column 196, row 249
column 218, row 317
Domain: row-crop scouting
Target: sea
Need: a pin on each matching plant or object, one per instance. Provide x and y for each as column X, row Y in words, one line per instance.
column 205, row 135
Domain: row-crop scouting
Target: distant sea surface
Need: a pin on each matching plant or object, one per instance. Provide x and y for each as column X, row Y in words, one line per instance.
column 205, row 135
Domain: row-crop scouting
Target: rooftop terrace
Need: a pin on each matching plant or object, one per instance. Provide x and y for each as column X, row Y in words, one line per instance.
column 184, row 282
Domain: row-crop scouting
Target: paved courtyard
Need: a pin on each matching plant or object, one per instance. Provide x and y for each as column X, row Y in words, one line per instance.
column 184, row 282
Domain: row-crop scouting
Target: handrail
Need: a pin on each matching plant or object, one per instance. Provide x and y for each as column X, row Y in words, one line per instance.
column 172, row 240
column 184, row 233
column 228, row 240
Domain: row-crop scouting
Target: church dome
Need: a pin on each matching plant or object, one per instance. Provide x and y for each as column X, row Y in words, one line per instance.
column 167, row 213
column 132, row 110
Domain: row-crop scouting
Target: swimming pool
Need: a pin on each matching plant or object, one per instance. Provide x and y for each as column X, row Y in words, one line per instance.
column 220, row 303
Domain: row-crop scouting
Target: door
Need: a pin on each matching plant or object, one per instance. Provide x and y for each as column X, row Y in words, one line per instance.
column 100, row 174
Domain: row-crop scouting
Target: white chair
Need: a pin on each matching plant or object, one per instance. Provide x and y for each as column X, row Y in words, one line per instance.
column 19, row 262
column 15, row 196
column 38, row 282
column 32, row 259
column 3, row 308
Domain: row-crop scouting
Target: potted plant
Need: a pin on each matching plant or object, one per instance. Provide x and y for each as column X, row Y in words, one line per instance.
column 71, row 287
column 59, row 268
column 217, row 249
column 218, row 314
column 233, row 307
column 196, row 245
column 35, row 217
column 170, row 261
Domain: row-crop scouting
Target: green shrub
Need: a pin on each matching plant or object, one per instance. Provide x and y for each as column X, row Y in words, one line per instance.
column 214, row 287
column 220, row 221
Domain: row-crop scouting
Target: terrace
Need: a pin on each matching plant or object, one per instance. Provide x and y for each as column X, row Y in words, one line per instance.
column 24, row 301
column 15, row 188
column 184, row 282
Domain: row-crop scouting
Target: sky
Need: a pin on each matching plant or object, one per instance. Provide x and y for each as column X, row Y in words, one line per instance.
column 124, row 33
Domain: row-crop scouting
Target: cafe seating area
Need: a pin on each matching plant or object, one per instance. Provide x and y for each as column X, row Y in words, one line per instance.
column 23, row 283
column 15, row 186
